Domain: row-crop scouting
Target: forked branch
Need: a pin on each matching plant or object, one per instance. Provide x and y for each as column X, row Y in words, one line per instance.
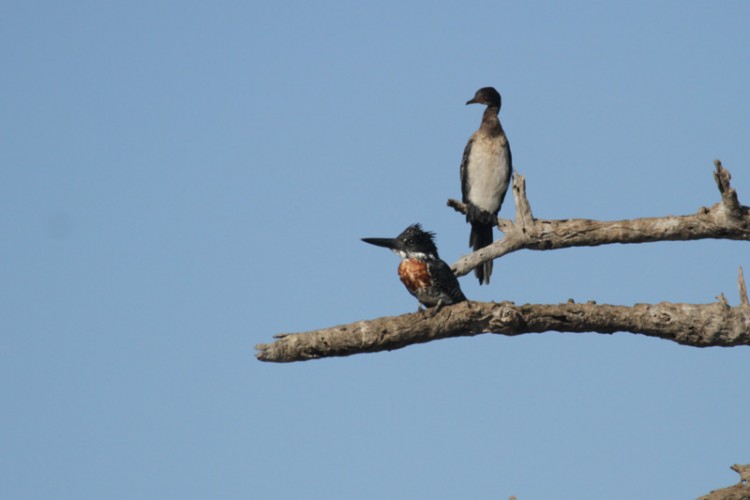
column 699, row 325
column 724, row 220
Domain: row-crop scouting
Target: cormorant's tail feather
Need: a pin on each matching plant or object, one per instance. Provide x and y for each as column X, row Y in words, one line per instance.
column 480, row 237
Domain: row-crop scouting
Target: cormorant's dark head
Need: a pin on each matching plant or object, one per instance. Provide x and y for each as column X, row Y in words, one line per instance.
column 486, row 95
column 413, row 241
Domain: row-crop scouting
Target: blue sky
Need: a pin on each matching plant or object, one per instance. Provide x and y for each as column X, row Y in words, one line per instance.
column 179, row 181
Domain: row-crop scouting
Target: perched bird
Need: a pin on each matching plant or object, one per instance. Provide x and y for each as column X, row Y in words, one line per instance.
column 486, row 169
column 426, row 277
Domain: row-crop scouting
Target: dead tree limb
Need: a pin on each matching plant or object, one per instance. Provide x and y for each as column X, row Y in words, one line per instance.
column 724, row 220
column 698, row 325
column 739, row 491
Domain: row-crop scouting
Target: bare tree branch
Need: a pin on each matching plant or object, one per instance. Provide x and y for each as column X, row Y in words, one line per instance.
column 724, row 220
column 739, row 491
column 698, row 325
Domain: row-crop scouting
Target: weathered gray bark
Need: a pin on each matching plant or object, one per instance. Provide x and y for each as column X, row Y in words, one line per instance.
column 739, row 491
column 724, row 220
column 699, row 325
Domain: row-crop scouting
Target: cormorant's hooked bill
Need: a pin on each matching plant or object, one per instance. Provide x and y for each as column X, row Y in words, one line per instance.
column 486, row 95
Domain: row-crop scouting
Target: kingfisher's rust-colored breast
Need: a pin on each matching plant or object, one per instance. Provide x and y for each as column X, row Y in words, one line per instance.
column 414, row 274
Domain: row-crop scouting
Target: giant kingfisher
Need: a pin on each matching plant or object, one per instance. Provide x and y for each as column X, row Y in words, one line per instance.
column 421, row 270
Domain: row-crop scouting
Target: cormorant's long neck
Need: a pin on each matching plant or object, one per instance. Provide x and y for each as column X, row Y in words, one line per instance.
column 490, row 120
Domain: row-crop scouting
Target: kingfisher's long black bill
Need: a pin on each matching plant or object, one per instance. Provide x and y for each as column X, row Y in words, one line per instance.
column 391, row 243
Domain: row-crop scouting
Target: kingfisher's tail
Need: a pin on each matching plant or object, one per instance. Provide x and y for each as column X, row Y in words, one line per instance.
column 480, row 237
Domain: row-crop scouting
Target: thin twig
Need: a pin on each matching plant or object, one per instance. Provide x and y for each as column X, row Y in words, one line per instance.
column 743, row 288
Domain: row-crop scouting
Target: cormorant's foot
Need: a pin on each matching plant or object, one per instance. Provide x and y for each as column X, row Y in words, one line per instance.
column 472, row 212
column 476, row 214
column 487, row 218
